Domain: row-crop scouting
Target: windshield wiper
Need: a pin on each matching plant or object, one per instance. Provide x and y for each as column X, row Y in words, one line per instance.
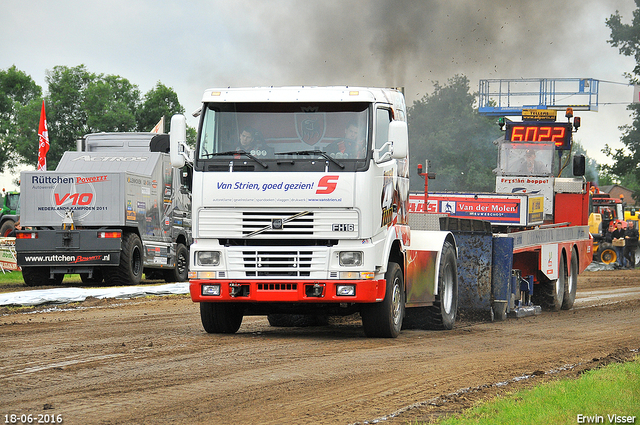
column 238, row 152
column 313, row 152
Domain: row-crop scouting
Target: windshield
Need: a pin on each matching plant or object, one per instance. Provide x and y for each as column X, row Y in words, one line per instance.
column 284, row 131
column 526, row 158
column 13, row 200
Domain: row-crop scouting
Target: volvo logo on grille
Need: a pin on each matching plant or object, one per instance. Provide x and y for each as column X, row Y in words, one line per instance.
column 276, row 223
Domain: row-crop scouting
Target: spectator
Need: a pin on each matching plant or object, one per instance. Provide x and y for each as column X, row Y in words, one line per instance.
column 16, row 226
column 630, row 244
column 617, row 240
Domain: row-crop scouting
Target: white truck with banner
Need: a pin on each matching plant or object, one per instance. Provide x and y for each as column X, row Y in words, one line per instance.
column 111, row 212
column 300, row 202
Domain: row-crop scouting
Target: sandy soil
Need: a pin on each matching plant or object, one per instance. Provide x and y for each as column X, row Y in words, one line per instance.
column 149, row 361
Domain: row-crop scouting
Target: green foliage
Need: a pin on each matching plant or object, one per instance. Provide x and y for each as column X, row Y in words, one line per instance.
column 79, row 102
column 159, row 102
column 626, row 37
column 20, row 102
column 445, row 129
column 111, row 103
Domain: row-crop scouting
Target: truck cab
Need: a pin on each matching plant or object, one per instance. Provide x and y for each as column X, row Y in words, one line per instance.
column 300, row 202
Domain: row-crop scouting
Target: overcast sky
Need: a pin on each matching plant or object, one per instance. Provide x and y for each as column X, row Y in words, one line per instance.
column 198, row 44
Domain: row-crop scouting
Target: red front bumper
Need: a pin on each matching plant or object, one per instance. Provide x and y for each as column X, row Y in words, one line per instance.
column 367, row 291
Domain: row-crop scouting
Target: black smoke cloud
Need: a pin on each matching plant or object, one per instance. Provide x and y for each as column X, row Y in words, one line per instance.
column 412, row 43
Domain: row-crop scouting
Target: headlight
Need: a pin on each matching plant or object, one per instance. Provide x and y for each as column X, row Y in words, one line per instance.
column 208, row 258
column 211, row 290
column 346, row 290
column 350, row 258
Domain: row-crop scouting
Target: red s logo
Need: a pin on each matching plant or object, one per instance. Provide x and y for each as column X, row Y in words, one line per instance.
column 327, row 185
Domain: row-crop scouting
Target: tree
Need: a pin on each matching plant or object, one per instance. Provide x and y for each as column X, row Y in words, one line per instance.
column 446, row 130
column 20, row 101
column 161, row 101
column 79, row 102
column 627, row 160
column 111, row 103
column 591, row 166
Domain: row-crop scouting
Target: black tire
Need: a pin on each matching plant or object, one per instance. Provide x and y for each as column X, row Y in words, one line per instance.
column 35, row 276
column 220, row 318
column 39, row 276
column 607, row 253
column 6, row 228
column 56, row 280
column 442, row 315
column 384, row 319
column 180, row 273
column 130, row 269
column 95, row 279
column 550, row 293
column 571, row 283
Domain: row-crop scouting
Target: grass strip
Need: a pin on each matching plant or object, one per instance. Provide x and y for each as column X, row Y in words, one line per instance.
column 608, row 395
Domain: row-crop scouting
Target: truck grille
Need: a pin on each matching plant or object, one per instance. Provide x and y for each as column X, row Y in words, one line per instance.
column 256, row 224
column 282, row 262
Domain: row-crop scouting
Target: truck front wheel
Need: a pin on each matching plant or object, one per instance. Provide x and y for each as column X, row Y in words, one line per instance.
column 220, row 318
column 181, row 271
column 384, row 319
column 130, row 269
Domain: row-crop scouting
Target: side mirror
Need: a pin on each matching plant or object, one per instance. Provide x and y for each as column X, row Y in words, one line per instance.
column 399, row 136
column 578, row 165
column 186, row 178
column 177, row 140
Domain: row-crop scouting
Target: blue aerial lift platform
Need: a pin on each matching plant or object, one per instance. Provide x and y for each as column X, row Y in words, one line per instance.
column 508, row 97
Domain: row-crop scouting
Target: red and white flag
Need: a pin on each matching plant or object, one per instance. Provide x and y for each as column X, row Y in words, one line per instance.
column 43, row 141
column 158, row 128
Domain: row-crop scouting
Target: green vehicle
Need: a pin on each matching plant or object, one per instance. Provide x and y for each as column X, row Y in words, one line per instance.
column 10, row 212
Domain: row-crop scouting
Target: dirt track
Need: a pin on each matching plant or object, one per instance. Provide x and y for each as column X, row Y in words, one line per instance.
column 149, row 361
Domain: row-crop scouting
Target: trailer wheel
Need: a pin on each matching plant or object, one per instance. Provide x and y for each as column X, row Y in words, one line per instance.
column 442, row 315
column 607, row 254
column 550, row 293
column 6, row 228
column 220, row 318
column 95, row 279
column 130, row 269
column 384, row 319
column 571, row 283
column 180, row 273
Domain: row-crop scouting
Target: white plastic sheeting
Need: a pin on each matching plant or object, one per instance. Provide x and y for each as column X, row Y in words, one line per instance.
column 69, row 295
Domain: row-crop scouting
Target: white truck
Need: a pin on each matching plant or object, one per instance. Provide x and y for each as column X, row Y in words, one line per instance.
column 111, row 212
column 310, row 218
